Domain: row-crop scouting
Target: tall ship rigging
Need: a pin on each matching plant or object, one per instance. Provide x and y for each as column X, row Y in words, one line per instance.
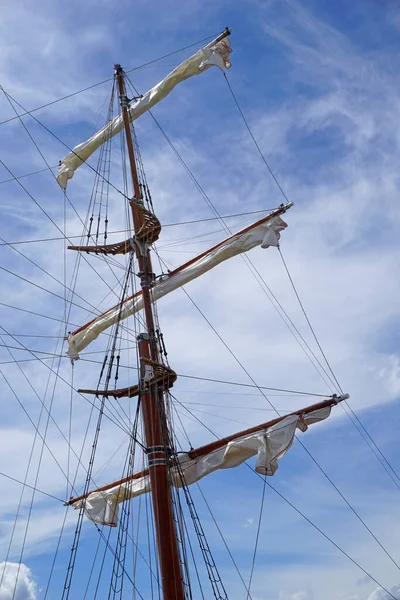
column 135, row 382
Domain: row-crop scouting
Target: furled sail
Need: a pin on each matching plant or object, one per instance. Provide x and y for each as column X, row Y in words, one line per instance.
column 265, row 232
column 269, row 444
column 216, row 53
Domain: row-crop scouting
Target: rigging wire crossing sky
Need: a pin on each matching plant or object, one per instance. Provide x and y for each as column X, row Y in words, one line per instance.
column 308, row 114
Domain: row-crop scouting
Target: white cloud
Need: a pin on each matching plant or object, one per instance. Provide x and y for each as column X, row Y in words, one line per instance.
column 341, row 247
column 17, row 582
column 380, row 594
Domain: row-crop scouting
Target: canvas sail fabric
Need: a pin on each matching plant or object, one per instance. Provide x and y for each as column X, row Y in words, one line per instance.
column 214, row 54
column 265, row 235
column 268, row 445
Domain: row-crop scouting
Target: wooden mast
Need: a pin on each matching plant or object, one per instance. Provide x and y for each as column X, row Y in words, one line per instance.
column 152, row 401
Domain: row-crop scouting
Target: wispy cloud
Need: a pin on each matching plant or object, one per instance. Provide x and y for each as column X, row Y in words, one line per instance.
column 326, row 115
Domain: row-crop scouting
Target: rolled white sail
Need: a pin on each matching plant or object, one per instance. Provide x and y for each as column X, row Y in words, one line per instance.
column 214, row 54
column 265, row 232
column 268, row 444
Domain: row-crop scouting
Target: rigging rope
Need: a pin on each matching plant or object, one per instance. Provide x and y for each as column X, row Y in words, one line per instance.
column 387, row 464
column 299, row 300
column 303, row 515
column 336, row 380
column 31, row 487
column 253, row 562
column 69, row 385
column 39, row 463
column 9, row 97
column 308, row 321
column 300, row 442
column 254, row 140
column 214, row 576
column 146, row 64
column 275, row 302
column 53, row 222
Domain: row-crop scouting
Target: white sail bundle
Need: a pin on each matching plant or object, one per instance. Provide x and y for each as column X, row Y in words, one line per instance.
column 214, row 54
column 268, row 444
column 264, row 233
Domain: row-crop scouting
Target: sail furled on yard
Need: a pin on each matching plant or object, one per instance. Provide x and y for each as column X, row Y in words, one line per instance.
column 264, row 233
column 267, row 444
column 216, row 53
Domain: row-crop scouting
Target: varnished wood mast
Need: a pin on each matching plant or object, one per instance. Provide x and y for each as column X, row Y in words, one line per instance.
column 203, row 450
column 152, row 400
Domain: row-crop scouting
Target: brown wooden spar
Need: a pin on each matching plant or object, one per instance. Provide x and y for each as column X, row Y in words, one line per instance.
column 220, row 443
column 117, row 248
column 152, row 401
column 275, row 213
column 162, row 376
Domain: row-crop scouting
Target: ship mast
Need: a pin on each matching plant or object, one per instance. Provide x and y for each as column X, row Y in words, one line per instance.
column 151, row 395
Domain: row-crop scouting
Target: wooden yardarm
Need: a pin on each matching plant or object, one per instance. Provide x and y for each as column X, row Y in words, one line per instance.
column 152, row 401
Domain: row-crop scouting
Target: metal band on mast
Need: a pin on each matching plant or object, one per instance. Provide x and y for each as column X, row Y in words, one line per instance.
column 220, row 443
column 152, row 401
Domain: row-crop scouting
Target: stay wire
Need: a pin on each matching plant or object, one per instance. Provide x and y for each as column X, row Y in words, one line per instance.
column 70, row 426
column 185, row 434
column 278, row 306
column 303, row 515
column 78, row 529
column 287, row 200
column 41, row 454
column 31, row 487
column 125, row 430
column 255, row 386
column 27, row 174
column 348, row 504
column 386, row 464
column 147, row 64
column 44, row 444
column 344, row 499
column 214, row 576
column 118, row 569
column 59, row 140
column 325, row 535
column 337, row 382
column 65, row 287
column 254, row 139
column 55, row 224
column 111, row 549
column 257, row 537
column 297, row 438
column 65, row 194
column 228, row 348
column 164, row 225
column 24, row 485
column 308, row 320
column 296, row 293
column 43, row 289
column 52, row 418
column 249, row 597
column 53, row 564
column 92, row 568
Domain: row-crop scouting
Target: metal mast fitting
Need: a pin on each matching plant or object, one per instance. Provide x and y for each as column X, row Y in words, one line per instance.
column 154, row 378
column 222, row 442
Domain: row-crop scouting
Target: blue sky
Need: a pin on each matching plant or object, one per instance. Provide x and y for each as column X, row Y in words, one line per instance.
column 318, row 82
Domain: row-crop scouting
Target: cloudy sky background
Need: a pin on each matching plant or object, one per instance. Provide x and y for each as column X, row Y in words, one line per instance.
column 319, row 87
